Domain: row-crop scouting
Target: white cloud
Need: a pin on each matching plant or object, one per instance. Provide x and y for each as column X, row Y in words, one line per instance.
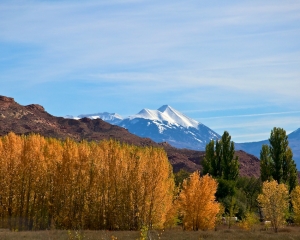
column 228, row 54
column 255, row 115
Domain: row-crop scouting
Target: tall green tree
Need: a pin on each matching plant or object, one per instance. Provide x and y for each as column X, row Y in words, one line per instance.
column 266, row 164
column 277, row 160
column 219, row 160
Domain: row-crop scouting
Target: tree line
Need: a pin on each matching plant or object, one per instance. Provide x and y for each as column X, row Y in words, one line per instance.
column 86, row 185
column 45, row 183
column 274, row 196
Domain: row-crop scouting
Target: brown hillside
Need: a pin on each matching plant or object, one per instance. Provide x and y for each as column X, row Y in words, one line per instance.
column 34, row 119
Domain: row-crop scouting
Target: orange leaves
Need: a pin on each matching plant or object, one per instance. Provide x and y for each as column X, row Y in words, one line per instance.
column 104, row 185
column 89, row 185
column 197, row 203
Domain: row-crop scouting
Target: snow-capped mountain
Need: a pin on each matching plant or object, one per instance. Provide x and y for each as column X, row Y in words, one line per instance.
column 162, row 125
column 112, row 118
column 169, row 125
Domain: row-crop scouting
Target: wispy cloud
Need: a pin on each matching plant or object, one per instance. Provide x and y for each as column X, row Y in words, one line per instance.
column 223, row 55
column 255, row 115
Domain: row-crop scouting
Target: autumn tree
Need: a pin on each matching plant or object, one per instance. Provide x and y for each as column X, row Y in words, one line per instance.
column 277, row 160
column 295, row 198
column 70, row 185
column 274, row 201
column 197, row 202
column 10, row 166
column 219, row 160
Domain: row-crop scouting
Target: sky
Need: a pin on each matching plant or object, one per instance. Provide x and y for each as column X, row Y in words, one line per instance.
column 231, row 65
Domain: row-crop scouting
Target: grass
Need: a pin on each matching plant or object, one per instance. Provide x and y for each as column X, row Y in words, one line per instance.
column 234, row 233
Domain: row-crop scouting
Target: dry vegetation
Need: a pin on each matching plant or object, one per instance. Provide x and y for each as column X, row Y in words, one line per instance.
column 223, row 232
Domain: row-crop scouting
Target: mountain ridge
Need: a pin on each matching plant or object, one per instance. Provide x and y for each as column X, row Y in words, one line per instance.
column 33, row 118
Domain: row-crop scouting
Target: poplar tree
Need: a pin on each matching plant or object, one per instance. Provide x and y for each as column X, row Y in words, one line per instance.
column 197, row 203
column 219, row 160
column 295, row 198
column 277, row 160
column 46, row 182
column 220, row 163
column 274, row 201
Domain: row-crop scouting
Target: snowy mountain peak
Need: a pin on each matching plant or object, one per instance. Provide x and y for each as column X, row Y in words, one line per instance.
column 165, row 124
column 104, row 116
column 112, row 118
column 167, row 114
column 165, row 108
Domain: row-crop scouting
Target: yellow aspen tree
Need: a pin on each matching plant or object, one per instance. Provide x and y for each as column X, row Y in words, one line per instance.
column 34, row 168
column 96, row 188
column 53, row 158
column 2, row 180
column 295, row 197
column 71, row 185
column 274, row 201
column 67, row 178
column 197, row 202
column 101, row 183
column 164, row 189
column 10, row 165
column 135, row 187
column 80, row 184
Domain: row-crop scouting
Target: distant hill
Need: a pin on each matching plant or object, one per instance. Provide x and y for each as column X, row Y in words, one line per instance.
column 255, row 147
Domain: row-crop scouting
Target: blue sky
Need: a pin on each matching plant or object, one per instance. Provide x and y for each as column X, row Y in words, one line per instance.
column 232, row 65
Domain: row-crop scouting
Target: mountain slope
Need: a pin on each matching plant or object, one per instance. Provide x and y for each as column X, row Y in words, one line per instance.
column 34, row 119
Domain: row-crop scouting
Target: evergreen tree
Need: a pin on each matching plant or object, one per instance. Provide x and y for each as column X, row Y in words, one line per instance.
column 266, row 165
column 277, row 160
column 219, row 160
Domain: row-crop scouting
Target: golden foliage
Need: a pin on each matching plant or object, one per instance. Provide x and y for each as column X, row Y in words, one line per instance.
column 197, row 203
column 86, row 185
column 274, row 202
column 295, row 197
column 250, row 220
